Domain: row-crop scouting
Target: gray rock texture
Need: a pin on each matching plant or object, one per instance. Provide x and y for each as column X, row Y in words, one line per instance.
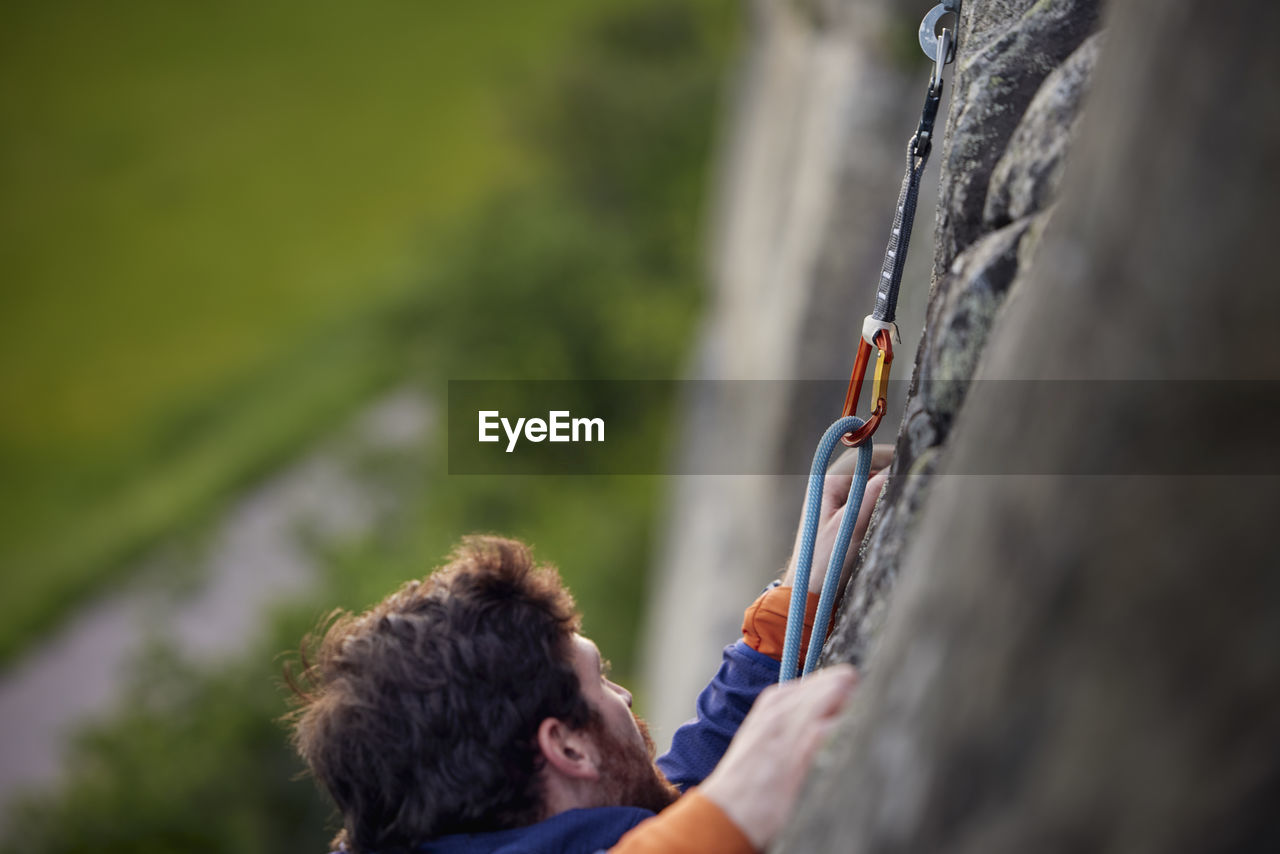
column 1051, row 662
column 1020, row 79
column 1007, row 49
column 1078, row 663
column 1027, row 176
column 805, row 203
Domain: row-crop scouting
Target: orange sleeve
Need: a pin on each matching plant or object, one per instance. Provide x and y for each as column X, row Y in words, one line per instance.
column 692, row 825
column 764, row 623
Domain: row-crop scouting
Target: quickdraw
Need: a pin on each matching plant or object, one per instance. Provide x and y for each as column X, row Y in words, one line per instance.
column 879, row 331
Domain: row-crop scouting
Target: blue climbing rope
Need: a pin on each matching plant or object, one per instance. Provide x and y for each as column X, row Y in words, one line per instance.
column 878, row 330
column 808, row 535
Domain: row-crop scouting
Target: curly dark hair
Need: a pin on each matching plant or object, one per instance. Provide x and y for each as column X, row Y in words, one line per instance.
column 419, row 717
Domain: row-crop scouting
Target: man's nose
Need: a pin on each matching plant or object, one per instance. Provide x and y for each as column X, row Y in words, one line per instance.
column 623, row 691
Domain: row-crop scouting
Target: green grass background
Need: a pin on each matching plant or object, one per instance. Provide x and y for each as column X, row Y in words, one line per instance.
column 408, row 193
column 208, row 214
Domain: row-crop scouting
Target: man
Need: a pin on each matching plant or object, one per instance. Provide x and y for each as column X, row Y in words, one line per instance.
column 466, row 714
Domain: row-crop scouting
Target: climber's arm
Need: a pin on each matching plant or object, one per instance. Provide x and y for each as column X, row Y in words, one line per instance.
column 753, row 741
column 747, row 668
column 751, row 664
column 746, row 801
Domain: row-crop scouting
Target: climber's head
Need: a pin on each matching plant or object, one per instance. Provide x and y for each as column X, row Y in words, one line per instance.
column 468, row 702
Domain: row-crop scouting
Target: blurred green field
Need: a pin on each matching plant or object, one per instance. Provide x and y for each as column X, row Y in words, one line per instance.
column 207, row 214
column 586, row 267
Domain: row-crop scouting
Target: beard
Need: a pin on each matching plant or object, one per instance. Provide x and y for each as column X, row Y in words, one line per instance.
column 628, row 777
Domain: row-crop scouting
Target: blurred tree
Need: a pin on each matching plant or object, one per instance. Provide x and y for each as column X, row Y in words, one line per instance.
column 196, row 763
column 611, row 242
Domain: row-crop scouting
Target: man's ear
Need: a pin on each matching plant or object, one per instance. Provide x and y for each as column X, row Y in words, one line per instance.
column 568, row 751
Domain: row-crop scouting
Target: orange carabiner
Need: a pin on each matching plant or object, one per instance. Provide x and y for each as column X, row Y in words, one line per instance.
column 879, row 387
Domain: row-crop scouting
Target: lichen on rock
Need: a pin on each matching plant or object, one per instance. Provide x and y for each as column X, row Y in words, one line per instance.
column 1027, row 176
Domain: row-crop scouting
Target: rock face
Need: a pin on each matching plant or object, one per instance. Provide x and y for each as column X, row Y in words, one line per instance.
column 1051, row 662
column 1007, row 50
column 1083, row 663
column 806, row 196
column 1026, row 177
column 1022, row 69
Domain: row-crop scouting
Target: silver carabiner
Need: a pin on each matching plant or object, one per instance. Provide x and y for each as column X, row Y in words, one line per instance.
column 929, row 37
column 945, row 53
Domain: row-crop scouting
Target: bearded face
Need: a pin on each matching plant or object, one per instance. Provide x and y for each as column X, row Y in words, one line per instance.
column 628, row 776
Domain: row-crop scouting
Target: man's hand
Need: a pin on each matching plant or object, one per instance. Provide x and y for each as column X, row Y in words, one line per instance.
column 835, row 495
column 759, row 778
